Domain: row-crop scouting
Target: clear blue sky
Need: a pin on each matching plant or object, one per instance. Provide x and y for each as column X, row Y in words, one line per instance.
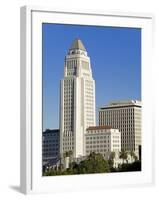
column 115, row 55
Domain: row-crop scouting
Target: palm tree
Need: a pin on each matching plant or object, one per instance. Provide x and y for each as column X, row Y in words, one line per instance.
column 112, row 155
column 123, row 155
column 111, row 159
column 70, row 153
column 133, row 155
column 67, row 154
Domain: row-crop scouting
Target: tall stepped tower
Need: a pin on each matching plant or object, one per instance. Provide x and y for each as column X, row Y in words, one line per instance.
column 77, row 100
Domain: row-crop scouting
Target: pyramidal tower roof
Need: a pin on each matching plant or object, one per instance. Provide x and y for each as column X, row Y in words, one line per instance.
column 77, row 44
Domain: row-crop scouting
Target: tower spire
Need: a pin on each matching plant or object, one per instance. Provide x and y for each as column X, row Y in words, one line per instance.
column 77, row 44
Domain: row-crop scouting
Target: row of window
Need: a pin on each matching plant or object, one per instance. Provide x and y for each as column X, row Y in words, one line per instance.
column 50, row 154
column 116, row 114
column 68, row 123
column 67, row 148
column 97, row 137
column 71, row 68
column 51, row 149
column 68, row 143
column 68, row 115
column 122, row 110
column 68, row 128
column 89, row 97
column 90, row 108
column 50, row 145
column 68, row 88
column 116, row 137
column 100, row 139
column 67, row 138
column 88, row 82
column 50, row 141
column 119, row 126
column 116, row 145
column 89, row 117
column 68, row 81
column 117, row 118
column 71, row 73
column 116, row 121
column 89, row 91
column 97, row 142
column 68, row 96
column 68, row 103
column 90, row 149
column 115, row 141
column 51, row 134
column 68, row 134
column 71, row 63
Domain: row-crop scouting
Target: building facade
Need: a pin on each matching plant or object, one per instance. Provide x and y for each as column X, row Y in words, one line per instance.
column 125, row 116
column 77, row 100
column 50, row 146
column 103, row 140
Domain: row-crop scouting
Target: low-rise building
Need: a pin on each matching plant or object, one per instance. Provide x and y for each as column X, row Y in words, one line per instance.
column 50, row 147
column 103, row 140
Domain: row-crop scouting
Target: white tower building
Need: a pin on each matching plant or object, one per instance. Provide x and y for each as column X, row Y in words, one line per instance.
column 77, row 105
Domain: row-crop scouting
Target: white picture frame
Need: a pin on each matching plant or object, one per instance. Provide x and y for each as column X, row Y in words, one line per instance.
column 31, row 92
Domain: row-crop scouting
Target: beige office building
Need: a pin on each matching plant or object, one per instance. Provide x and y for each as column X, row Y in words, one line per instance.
column 125, row 116
column 103, row 140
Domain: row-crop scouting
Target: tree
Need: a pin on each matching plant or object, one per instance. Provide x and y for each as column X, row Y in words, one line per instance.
column 123, row 155
column 112, row 155
column 67, row 154
column 111, row 160
column 133, row 155
column 95, row 163
column 70, row 155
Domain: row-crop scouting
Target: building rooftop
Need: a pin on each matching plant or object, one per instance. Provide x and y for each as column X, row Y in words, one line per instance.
column 98, row 127
column 77, row 44
column 123, row 103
